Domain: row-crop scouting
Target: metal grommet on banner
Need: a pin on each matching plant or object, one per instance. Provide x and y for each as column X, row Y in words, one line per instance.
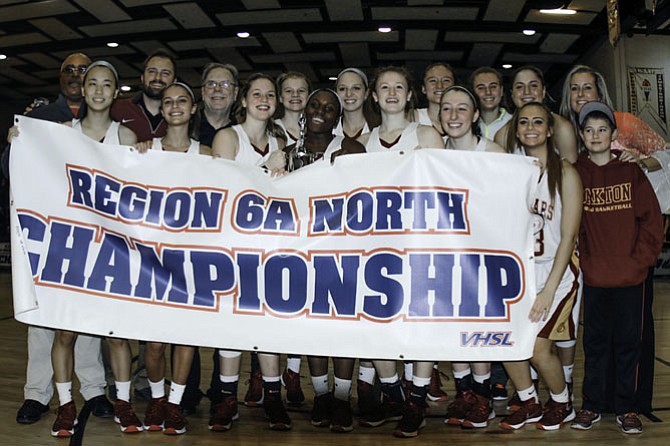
column 111, row 333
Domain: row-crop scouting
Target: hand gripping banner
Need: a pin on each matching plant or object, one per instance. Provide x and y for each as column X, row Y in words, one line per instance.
column 423, row 254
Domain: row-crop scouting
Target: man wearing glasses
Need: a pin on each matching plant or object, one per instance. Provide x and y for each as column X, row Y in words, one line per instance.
column 219, row 90
column 38, row 390
column 141, row 113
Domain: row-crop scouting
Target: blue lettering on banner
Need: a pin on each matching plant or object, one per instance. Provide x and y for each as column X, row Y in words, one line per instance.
column 415, row 285
column 385, row 210
column 179, row 209
column 486, row 339
column 255, row 213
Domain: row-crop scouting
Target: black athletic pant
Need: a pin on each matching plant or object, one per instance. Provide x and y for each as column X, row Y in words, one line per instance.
column 612, row 331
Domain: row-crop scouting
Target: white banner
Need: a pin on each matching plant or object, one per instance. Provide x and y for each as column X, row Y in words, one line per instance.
column 419, row 255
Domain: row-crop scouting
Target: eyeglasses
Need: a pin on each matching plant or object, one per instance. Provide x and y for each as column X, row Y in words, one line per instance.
column 211, row 85
column 73, row 70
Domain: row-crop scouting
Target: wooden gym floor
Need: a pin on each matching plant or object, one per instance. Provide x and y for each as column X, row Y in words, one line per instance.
column 252, row 427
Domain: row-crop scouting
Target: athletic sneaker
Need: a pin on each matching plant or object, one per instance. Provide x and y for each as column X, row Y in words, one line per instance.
column 514, row 403
column 342, row 420
column 555, row 414
column 459, row 408
column 368, row 398
column 254, row 396
column 175, row 424
column 294, row 395
column 529, row 412
column 276, row 414
column 125, row 417
column 224, row 414
column 480, row 413
column 585, row 420
column 386, row 411
column 629, row 423
column 66, row 420
column 154, row 417
column 322, row 410
column 435, row 392
column 499, row 392
column 412, row 420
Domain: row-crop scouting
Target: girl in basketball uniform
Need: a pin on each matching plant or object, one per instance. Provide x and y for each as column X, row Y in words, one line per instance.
column 178, row 106
column 472, row 408
column 528, row 86
column 100, row 88
column 255, row 141
column 293, row 88
column 557, row 209
column 393, row 95
column 324, row 108
column 358, row 117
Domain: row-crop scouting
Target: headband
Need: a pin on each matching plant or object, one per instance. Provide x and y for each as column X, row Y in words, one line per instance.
column 103, row 63
column 185, row 87
column 339, row 99
column 466, row 91
column 356, row 71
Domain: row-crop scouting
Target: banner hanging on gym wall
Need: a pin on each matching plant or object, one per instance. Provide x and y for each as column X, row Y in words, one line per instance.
column 423, row 254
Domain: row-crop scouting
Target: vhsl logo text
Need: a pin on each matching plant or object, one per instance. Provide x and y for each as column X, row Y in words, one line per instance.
column 486, row 339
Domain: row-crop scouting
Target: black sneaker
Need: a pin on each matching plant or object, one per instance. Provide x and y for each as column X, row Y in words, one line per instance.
column 31, row 411
column 101, row 407
column 276, row 414
column 386, row 411
column 342, row 420
column 322, row 410
column 412, row 420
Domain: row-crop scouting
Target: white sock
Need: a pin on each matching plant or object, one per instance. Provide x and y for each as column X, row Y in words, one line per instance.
column 271, row 379
column 157, row 388
column 533, row 374
column 462, row 374
column 64, row 392
column 562, row 397
column 293, row 364
column 481, row 378
column 342, row 389
column 367, row 374
column 123, row 390
column 526, row 394
column 320, row 384
column 567, row 371
column 391, row 380
column 420, row 382
column 176, row 393
column 408, row 371
column 229, row 378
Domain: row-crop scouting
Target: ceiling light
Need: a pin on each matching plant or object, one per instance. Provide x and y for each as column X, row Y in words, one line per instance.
column 332, row 78
column 112, row 44
column 528, row 32
column 125, row 88
column 3, row 56
column 384, row 29
column 243, row 34
column 558, row 11
column 507, row 66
